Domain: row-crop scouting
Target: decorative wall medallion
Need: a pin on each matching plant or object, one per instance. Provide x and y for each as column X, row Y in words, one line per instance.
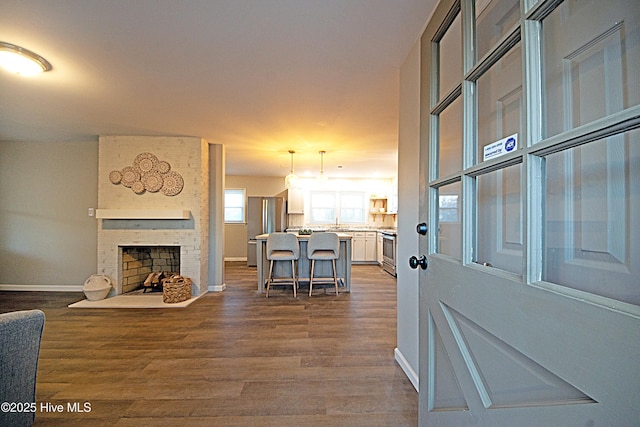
column 148, row 173
column 163, row 167
column 138, row 187
column 152, row 182
column 146, row 162
column 173, row 184
column 115, row 177
column 129, row 176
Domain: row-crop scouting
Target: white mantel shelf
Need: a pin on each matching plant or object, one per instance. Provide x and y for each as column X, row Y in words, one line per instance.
column 143, row 214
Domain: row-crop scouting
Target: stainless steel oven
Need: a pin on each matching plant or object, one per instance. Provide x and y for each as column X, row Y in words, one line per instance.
column 389, row 252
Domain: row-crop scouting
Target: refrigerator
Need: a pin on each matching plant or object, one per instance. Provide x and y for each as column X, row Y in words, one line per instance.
column 264, row 215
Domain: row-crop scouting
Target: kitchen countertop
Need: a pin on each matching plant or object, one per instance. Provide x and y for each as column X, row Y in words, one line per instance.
column 345, row 229
column 305, row 236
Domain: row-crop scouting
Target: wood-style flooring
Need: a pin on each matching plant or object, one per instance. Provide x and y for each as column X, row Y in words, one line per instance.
column 232, row 358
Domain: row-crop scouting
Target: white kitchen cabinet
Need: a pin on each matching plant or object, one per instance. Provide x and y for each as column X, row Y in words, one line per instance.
column 363, row 246
column 370, row 246
column 358, row 246
column 295, row 201
column 379, row 248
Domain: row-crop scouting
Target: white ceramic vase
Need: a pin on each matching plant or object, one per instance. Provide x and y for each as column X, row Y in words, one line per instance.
column 97, row 287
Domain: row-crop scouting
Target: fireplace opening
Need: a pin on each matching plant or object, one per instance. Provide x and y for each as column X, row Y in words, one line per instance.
column 138, row 262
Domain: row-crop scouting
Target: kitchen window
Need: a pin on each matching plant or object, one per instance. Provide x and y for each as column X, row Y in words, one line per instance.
column 323, row 206
column 234, row 205
column 352, row 207
column 329, row 207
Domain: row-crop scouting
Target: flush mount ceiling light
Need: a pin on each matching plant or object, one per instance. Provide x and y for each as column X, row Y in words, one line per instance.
column 21, row 61
column 291, row 180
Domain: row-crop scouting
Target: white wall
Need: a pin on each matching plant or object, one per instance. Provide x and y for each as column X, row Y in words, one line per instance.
column 47, row 239
column 216, row 169
column 408, row 196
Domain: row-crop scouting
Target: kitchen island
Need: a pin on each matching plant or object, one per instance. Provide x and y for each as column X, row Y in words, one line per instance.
column 323, row 269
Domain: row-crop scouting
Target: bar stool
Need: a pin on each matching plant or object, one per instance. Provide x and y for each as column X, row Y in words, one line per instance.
column 282, row 247
column 323, row 247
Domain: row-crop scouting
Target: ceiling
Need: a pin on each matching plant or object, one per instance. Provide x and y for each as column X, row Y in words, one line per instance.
column 260, row 76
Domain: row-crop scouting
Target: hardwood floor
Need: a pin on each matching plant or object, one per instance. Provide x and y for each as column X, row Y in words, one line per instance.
column 233, row 358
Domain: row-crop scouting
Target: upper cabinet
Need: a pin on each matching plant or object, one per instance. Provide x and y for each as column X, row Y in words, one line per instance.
column 295, row 201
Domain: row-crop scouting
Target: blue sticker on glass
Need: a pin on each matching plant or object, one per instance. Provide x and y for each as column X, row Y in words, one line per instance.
column 510, row 144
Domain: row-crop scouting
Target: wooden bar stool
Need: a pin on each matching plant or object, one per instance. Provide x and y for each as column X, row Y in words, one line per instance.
column 282, row 247
column 323, row 247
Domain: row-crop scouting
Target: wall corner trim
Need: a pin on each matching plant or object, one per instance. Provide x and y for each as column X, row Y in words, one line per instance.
column 408, row 370
column 40, row 288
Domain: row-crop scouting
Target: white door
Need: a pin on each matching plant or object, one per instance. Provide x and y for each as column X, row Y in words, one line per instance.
column 530, row 292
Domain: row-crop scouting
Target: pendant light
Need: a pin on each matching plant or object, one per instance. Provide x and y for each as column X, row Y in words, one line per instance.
column 322, row 178
column 291, row 180
column 22, row 61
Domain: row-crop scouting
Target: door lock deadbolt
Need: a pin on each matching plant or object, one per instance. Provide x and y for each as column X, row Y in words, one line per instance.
column 422, row 228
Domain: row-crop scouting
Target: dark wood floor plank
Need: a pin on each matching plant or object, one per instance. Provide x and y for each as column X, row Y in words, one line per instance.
column 233, row 358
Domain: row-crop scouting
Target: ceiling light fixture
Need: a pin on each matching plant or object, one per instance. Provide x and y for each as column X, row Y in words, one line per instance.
column 322, row 178
column 291, row 180
column 21, row 61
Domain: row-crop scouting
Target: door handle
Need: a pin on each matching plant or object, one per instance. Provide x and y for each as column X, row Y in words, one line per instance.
column 414, row 262
column 422, row 228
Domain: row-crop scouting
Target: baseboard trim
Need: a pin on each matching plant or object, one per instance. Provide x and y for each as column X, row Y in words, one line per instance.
column 41, row 288
column 235, row 258
column 406, row 367
column 74, row 288
column 217, row 288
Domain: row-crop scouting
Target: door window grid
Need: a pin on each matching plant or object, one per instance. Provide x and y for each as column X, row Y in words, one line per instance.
column 494, row 19
column 499, row 104
column 590, row 207
column 499, row 242
column 450, row 58
column 590, row 72
column 449, row 224
column 533, row 144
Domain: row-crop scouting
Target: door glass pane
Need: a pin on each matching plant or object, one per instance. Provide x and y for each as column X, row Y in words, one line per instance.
column 592, row 218
column 451, row 58
column 449, row 220
column 493, row 19
column 499, row 233
column 500, row 106
column 591, row 62
column 450, row 151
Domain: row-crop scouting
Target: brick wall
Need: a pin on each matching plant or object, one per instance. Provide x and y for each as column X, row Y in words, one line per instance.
column 139, row 262
column 189, row 157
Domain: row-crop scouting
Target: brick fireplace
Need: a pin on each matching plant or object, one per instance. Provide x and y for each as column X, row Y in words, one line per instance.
column 129, row 218
column 140, row 261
